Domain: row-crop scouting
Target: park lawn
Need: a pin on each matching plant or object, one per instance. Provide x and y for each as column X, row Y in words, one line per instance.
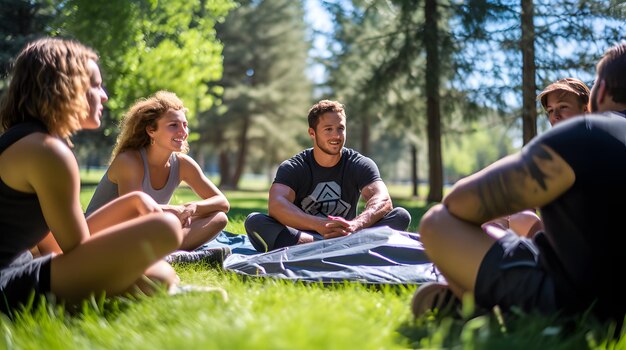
column 258, row 313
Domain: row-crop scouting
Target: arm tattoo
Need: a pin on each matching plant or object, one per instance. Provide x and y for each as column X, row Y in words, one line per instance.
column 506, row 189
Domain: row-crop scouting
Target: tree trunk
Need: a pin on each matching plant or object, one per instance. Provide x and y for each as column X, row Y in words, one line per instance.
column 242, row 153
column 414, row 175
column 433, row 110
column 223, row 158
column 365, row 136
column 529, row 87
column 224, row 163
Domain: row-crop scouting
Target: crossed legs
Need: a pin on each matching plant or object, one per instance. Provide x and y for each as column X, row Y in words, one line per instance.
column 128, row 240
column 456, row 247
column 203, row 229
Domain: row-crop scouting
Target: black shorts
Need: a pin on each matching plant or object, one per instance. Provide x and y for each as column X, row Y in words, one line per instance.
column 21, row 278
column 510, row 275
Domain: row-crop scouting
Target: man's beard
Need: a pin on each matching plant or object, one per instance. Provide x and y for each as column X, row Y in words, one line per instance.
column 326, row 149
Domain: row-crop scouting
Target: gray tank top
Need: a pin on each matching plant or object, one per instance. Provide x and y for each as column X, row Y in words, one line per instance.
column 107, row 190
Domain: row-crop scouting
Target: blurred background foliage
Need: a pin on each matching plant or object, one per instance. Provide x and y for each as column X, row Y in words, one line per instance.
column 434, row 89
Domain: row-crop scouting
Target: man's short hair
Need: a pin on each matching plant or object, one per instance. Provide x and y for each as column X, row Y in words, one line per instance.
column 324, row 106
column 612, row 69
column 566, row 85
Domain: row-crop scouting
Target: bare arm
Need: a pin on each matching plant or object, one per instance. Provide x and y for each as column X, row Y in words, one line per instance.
column 46, row 246
column 512, row 184
column 377, row 205
column 53, row 174
column 281, row 208
column 212, row 198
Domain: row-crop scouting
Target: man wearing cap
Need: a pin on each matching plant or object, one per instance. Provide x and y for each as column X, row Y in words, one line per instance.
column 564, row 99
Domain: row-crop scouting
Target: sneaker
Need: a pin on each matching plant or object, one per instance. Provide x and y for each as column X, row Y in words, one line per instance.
column 435, row 297
column 210, row 256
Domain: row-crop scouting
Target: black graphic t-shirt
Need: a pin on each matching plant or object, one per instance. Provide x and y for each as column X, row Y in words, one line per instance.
column 323, row 191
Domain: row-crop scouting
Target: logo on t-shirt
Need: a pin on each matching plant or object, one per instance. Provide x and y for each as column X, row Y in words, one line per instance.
column 326, row 200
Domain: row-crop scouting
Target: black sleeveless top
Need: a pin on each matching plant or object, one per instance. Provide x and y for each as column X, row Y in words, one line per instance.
column 22, row 224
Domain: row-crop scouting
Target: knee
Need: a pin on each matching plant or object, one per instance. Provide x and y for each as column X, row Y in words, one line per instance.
column 404, row 217
column 143, row 202
column 252, row 221
column 431, row 221
column 221, row 219
column 172, row 233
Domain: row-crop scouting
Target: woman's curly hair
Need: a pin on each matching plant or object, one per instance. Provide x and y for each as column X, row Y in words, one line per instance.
column 145, row 113
column 49, row 82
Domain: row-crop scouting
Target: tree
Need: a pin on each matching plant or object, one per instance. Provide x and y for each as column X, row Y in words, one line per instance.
column 266, row 92
column 145, row 46
column 479, row 54
column 20, row 22
column 411, row 38
column 523, row 45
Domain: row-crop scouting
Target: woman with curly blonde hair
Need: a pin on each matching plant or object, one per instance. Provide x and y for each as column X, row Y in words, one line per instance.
column 149, row 156
column 56, row 90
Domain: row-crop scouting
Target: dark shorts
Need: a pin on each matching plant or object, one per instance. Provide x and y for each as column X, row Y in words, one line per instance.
column 21, row 278
column 510, row 275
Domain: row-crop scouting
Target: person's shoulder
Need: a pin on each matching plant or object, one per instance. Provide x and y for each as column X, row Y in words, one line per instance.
column 128, row 157
column 186, row 163
column 46, row 154
column 352, row 153
column 43, row 146
column 184, row 158
column 127, row 161
column 300, row 158
column 616, row 114
column 355, row 157
column 589, row 122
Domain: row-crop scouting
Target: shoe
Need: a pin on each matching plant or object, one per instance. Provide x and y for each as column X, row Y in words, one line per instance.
column 437, row 298
column 210, row 256
column 189, row 288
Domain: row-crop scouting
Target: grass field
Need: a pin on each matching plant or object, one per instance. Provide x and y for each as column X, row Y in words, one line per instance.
column 251, row 313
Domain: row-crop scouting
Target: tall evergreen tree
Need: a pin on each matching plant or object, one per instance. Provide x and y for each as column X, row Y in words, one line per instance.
column 477, row 53
column 20, row 22
column 266, row 92
column 403, row 80
column 523, row 46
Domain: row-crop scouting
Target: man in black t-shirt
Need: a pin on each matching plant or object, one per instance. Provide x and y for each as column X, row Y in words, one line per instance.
column 571, row 173
column 316, row 192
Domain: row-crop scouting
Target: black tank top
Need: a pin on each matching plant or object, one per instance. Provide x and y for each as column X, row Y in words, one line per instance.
column 22, row 224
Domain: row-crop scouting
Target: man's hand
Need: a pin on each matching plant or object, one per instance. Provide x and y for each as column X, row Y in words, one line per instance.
column 336, row 226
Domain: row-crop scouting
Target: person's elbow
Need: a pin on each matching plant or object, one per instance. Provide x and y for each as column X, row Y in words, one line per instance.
column 273, row 208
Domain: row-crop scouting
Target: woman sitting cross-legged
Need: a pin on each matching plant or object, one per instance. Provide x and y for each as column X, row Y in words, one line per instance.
column 149, row 156
column 55, row 91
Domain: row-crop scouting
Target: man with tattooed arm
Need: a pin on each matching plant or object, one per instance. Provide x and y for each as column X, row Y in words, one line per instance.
column 569, row 173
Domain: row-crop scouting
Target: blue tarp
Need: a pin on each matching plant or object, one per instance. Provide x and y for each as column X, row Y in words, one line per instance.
column 378, row 255
column 238, row 244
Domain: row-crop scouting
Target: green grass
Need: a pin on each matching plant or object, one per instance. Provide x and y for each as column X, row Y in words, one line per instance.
column 274, row 314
